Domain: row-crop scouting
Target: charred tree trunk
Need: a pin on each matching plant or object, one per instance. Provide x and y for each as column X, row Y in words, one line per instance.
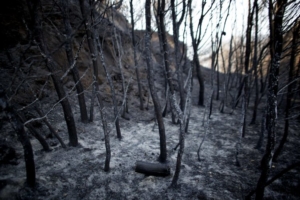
column 22, row 137
column 195, row 49
column 274, row 178
column 92, row 47
column 152, row 169
column 33, row 131
column 165, row 48
column 135, row 58
column 276, row 34
column 93, row 54
column 111, row 85
column 289, row 91
column 255, row 64
column 262, row 133
column 183, row 120
column 50, row 127
column 176, row 26
column 157, row 107
column 72, row 61
column 118, row 53
column 52, row 66
column 247, row 61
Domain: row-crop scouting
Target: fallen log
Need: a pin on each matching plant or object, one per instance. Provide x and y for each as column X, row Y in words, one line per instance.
column 152, row 169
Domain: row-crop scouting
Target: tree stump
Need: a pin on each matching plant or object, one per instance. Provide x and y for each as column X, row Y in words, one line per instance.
column 152, row 169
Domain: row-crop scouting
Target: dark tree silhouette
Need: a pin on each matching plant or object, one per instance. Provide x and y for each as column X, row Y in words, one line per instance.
column 157, row 107
column 275, row 50
column 290, row 94
column 37, row 33
column 22, row 137
column 72, row 62
column 135, row 58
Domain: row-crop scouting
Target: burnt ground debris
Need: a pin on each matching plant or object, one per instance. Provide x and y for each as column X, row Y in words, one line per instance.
column 77, row 172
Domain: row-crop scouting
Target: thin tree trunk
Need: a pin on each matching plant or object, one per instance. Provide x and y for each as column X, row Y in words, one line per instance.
column 289, row 92
column 161, row 13
column 28, row 152
column 118, row 49
column 106, row 133
column 50, row 127
column 261, row 134
column 36, row 134
column 253, row 120
column 276, row 50
column 96, row 92
column 72, row 61
column 93, row 55
column 176, row 26
column 114, row 99
column 52, row 66
column 247, row 61
column 167, row 89
column 22, row 137
column 183, row 115
column 195, row 49
column 135, row 58
column 157, row 107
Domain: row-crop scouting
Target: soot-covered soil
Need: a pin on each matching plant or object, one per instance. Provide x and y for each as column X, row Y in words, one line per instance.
column 77, row 173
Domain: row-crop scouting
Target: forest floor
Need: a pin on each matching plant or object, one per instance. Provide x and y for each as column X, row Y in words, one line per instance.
column 77, row 172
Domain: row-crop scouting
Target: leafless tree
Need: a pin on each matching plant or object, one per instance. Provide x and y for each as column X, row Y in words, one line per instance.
column 37, row 32
column 157, row 107
column 92, row 46
column 72, row 62
column 196, row 39
column 22, row 137
column 275, row 19
column 290, row 94
column 135, row 58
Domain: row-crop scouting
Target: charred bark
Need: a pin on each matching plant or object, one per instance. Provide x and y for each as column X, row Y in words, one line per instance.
column 152, row 169
column 51, row 127
column 92, row 46
column 135, row 58
column 157, row 107
column 52, row 66
column 176, row 26
column 255, row 64
column 276, row 39
column 34, row 132
column 72, row 61
column 289, row 92
column 195, row 45
column 22, row 137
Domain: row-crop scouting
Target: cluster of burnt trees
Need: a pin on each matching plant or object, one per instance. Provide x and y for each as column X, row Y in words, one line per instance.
column 91, row 15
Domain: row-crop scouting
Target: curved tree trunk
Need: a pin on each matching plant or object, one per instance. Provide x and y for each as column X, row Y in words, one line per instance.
column 195, row 57
column 52, row 66
column 33, row 131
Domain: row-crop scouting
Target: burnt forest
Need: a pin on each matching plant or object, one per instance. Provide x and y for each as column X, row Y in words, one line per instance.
column 143, row 100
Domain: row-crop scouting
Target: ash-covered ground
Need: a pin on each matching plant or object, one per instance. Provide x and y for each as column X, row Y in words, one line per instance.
column 77, row 172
